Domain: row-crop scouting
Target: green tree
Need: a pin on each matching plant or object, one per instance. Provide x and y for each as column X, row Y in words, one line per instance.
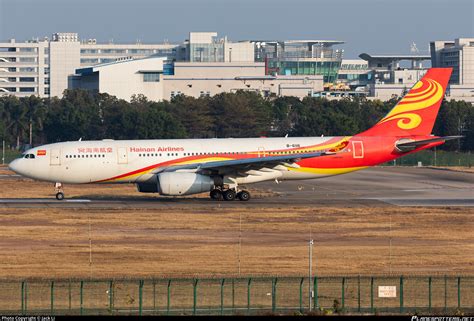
column 194, row 114
column 76, row 115
column 16, row 121
column 35, row 114
column 240, row 114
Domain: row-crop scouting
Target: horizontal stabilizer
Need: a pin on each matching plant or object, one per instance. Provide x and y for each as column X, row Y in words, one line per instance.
column 408, row 146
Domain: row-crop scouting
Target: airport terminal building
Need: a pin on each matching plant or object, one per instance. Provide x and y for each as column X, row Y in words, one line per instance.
column 202, row 65
column 205, row 65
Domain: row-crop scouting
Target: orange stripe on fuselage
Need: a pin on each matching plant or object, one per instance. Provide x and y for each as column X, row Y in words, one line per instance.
column 377, row 150
column 333, row 142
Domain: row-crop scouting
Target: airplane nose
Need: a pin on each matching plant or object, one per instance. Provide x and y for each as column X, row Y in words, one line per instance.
column 13, row 166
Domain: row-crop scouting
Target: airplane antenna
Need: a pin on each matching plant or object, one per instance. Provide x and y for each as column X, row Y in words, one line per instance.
column 80, row 139
column 286, row 136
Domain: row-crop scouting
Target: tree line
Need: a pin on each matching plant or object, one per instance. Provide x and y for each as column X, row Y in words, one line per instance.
column 31, row 121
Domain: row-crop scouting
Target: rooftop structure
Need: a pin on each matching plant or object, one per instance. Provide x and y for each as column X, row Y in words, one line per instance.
column 158, row 80
column 459, row 55
column 300, row 57
column 392, row 62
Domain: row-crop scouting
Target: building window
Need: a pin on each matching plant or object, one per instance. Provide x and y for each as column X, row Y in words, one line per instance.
column 27, row 49
column 151, row 77
column 27, row 79
column 46, row 71
column 88, row 51
column 175, row 93
column 46, row 91
column 46, row 81
column 27, row 69
column 27, row 90
column 89, row 60
column 27, row 59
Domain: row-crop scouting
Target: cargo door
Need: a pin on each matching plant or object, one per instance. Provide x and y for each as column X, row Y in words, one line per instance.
column 358, row 149
column 55, row 157
column 122, row 156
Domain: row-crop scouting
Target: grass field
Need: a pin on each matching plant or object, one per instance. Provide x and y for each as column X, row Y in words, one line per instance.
column 185, row 241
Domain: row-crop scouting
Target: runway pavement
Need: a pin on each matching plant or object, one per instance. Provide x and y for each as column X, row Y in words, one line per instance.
column 379, row 186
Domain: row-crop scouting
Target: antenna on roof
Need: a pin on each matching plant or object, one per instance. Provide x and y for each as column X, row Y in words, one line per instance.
column 414, row 48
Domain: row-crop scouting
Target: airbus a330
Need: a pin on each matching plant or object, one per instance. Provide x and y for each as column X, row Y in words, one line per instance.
column 220, row 167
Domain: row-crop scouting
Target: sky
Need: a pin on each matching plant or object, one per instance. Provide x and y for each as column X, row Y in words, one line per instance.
column 371, row 26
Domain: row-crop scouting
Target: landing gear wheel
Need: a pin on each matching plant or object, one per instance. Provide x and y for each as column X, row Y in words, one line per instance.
column 229, row 195
column 58, row 188
column 243, row 196
column 216, row 194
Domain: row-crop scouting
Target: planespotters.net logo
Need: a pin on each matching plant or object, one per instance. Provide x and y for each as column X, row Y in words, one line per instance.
column 416, row 318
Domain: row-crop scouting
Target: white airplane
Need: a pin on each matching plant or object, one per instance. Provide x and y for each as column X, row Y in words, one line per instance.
column 220, row 166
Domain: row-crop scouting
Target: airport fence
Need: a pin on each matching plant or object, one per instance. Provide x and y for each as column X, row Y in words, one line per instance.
column 435, row 158
column 240, row 296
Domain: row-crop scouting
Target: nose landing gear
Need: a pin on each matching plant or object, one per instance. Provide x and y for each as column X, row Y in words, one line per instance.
column 58, row 188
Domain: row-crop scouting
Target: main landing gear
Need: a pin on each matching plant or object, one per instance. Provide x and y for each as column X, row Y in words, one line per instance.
column 58, row 188
column 229, row 195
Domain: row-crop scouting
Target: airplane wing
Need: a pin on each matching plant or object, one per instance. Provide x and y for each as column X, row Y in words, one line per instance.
column 242, row 164
column 412, row 145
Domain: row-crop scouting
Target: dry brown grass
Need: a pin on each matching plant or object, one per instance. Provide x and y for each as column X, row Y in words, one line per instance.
column 178, row 240
column 184, row 241
column 463, row 169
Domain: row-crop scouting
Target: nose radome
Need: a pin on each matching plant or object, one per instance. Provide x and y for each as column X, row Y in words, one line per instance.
column 14, row 165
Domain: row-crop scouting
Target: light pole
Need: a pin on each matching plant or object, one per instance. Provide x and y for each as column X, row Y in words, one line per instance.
column 310, row 267
column 3, row 152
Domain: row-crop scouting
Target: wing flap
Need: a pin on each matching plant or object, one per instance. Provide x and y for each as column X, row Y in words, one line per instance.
column 244, row 163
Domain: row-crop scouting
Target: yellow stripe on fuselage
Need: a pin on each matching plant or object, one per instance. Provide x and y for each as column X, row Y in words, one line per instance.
column 200, row 160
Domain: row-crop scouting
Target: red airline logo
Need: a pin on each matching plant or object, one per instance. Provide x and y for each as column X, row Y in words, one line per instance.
column 41, row 152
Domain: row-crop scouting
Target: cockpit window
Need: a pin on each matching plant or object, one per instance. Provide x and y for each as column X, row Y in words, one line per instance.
column 29, row 156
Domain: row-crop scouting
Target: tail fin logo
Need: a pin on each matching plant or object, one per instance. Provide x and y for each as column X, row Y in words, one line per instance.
column 425, row 93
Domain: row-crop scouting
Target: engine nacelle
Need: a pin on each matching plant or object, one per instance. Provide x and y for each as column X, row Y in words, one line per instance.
column 183, row 183
column 147, row 187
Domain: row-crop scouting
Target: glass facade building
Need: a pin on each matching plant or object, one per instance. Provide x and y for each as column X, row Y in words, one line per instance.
column 312, row 57
column 206, row 52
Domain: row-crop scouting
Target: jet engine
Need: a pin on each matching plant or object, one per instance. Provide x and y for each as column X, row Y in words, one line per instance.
column 184, row 183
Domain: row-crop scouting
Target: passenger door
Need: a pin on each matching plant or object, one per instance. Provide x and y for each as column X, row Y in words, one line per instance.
column 122, row 157
column 55, row 157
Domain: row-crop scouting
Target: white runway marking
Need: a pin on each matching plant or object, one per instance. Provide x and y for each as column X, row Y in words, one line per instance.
column 41, row 200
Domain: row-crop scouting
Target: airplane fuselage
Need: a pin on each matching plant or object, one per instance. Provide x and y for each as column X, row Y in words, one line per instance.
column 135, row 161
